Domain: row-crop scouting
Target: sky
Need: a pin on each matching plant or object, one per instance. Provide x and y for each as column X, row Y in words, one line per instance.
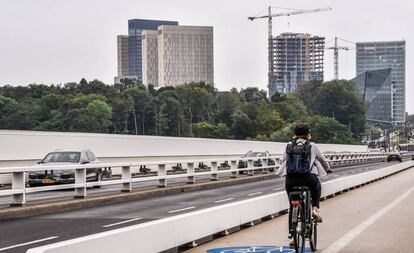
column 59, row 41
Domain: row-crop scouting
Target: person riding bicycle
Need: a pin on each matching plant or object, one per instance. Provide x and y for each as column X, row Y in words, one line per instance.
column 302, row 164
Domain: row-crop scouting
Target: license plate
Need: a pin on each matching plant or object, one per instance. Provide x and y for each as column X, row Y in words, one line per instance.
column 48, row 181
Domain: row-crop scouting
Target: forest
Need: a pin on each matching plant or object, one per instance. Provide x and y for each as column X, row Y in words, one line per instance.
column 334, row 110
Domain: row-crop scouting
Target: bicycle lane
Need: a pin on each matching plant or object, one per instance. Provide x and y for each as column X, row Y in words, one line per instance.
column 378, row 217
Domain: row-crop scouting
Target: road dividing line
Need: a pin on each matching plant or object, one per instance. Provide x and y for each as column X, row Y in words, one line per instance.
column 183, row 209
column 223, row 200
column 28, row 243
column 121, row 222
column 277, row 189
column 252, row 194
column 351, row 235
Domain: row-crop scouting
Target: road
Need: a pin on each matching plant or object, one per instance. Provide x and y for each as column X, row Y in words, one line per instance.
column 19, row 235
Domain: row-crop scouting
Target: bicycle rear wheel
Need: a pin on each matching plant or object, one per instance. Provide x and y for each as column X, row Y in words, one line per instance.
column 313, row 237
column 298, row 227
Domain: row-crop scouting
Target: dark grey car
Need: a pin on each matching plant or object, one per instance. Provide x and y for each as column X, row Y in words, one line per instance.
column 65, row 157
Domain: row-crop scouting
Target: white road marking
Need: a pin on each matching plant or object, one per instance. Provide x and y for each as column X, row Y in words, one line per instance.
column 121, row 222
column 277, row 189
column 183, row 209
column 351, row 235
column 223, row 200
column 252, row 194
column 28, row 243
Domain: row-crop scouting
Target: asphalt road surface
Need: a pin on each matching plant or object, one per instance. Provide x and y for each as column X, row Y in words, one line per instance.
column 22, row 234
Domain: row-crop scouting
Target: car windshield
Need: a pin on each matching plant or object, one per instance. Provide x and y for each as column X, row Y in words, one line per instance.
column 256, row 154
column 62, row 157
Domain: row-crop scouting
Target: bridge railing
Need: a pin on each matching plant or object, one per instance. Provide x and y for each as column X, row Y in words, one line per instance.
column 189, row 169
column 187, row 228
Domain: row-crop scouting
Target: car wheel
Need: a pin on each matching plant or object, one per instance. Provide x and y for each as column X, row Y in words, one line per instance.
column 98, row 179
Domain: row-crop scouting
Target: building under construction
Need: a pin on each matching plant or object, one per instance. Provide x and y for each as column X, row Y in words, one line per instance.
column 296, row 58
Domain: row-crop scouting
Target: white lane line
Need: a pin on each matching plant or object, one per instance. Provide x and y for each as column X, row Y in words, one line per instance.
column 223, row 200
column 255, row 193
column 277, row 189
column 183, row 209
column 28, row 243
column 121, row 222
column 351, row 235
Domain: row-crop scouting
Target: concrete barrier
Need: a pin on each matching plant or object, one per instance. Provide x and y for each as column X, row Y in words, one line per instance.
column 164, row 234
column 25, row 148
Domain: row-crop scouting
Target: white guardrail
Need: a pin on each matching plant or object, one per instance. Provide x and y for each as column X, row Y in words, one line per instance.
column 187, row 228
column 19, row 190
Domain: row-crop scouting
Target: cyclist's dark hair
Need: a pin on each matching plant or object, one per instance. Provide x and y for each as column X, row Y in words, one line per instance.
column 302, row 130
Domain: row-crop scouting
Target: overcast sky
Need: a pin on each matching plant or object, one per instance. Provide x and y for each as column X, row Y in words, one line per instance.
column 58, row 41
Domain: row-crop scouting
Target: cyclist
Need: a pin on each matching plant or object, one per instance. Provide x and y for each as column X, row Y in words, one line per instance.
column 302, row 164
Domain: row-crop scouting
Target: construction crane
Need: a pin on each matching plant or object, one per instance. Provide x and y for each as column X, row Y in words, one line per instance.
column 336, row 49
column 270, row 32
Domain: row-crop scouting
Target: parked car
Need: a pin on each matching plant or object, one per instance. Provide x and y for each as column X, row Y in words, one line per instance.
column 65, row 176
column 257, row 162
column 395, row 156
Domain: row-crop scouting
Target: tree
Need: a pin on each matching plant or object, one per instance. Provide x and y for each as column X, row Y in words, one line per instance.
column 171, row 120
column 227, row 103
column 254, row 95
column 307, row 93
column 208, row 130
column 8, row 108
column 328, row 130
column 292, row 109
column 242, row 125
column 340, row 100
column 268, row 120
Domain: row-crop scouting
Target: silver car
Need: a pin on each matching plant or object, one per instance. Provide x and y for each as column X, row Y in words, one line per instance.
column 65, row 157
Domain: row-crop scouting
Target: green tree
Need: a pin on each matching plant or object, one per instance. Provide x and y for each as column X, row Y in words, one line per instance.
column 268, row 120
column 171, row 120
column 242, row 125
column 340, row 100
column 292, row 109
column 328, row 130
column 208, row 130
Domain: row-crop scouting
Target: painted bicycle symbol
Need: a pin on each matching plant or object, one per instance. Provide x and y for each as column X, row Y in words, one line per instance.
column 254, row 249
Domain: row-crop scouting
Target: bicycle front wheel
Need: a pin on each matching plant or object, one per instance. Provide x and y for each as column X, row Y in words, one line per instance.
column 298, row 227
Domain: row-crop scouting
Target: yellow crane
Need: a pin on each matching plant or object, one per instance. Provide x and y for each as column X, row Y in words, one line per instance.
column 270, row 34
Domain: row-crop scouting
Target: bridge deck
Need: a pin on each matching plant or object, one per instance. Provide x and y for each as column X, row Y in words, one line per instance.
column 375, row 218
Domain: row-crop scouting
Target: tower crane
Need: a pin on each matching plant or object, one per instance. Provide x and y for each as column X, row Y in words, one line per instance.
column 336, row 49
column 269, row 16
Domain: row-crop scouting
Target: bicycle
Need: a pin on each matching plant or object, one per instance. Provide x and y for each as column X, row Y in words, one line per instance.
column 302, row 226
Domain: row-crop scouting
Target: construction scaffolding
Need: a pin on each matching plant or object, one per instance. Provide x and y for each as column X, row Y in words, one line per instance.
column 296, row 58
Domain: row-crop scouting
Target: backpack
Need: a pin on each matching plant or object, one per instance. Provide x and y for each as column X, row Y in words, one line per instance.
column 298, row 158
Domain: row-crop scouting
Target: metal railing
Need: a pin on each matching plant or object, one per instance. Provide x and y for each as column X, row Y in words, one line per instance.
column 187, row 228
column 216, row 167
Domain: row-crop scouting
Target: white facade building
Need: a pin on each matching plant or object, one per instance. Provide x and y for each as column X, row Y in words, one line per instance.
column 185, row 54
column 150, row 57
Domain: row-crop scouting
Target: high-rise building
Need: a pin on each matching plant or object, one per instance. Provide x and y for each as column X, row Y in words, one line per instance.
column 388, row 54
column 185, row 54
column 150, row 57
column 375, row 88
column 123, row 55
column 297, row 58
column 135, row 28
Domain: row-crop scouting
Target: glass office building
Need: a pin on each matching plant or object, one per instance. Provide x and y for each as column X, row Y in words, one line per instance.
column 380, row 55
column 375, row 88
column 135, row 28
